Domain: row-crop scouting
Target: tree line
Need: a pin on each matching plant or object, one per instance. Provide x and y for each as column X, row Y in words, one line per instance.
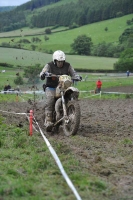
column 82, row 12
column 34, row 4
column 16, row 17
column 71, row 14
column 12, row 20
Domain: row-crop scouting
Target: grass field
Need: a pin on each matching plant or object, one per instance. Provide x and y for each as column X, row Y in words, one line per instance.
column 109, row 80
column 95, row 31
column 30, row 58
column 63, row 40
column 21, row 58
column 28, row 170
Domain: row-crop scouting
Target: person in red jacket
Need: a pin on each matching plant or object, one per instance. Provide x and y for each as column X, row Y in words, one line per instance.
column 99, row 85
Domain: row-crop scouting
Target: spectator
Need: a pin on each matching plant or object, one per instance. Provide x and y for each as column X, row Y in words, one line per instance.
column 98, row 86
column 128, row 73
column 7, row 87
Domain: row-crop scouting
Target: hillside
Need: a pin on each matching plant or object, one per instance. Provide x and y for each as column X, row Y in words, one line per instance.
column 63, row 39
column 63, row 13
column 30, row 58
column 105, row 35
column 82, row 13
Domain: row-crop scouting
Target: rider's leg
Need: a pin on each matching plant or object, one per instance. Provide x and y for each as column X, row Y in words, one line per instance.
column 49, row 108
column 57, row 108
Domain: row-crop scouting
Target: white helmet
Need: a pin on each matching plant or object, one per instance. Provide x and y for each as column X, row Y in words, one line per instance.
column 59, row 55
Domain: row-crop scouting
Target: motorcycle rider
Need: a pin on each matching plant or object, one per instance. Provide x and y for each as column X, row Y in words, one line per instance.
column 57, row 66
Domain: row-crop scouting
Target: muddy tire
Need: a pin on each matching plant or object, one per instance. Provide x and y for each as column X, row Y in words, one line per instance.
column 73, row 112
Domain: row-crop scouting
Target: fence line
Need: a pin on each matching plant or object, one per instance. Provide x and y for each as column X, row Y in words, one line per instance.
column 115, row 93
column 41, row 92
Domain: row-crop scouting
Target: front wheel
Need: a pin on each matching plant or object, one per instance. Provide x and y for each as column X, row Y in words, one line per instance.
column 71, row 125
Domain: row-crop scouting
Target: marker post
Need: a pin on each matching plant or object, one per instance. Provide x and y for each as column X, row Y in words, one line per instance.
column 31, row 122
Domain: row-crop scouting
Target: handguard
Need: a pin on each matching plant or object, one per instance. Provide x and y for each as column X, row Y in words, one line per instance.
column 78, row 78
column 45, row 74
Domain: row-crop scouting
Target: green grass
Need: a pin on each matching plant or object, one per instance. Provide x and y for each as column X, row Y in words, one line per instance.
column 23, row 31
column 27, row 31
column 63, row 40
column 107, row 82
column 9, row 76
column 95, row 31
column 28, row 170
column 30, row 58
column 23, row 57
column 8, row 98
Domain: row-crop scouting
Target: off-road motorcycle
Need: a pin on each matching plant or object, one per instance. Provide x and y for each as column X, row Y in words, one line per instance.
column 66, row 110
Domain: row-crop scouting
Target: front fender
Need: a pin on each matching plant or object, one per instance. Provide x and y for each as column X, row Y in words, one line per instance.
column 72, row 91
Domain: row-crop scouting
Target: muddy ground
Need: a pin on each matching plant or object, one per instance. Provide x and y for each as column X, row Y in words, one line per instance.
column 104, row 141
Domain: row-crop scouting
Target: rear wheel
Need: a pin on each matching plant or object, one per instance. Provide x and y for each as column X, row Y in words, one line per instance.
column 70, row 126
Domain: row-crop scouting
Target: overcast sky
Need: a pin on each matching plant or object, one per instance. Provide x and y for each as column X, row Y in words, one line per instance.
column 12, row 2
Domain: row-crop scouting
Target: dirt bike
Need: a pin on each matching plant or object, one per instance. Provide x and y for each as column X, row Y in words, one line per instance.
column 66, row 110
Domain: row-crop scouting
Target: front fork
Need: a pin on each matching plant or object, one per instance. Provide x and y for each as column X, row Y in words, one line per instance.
column 64, row 110
column 64, row 105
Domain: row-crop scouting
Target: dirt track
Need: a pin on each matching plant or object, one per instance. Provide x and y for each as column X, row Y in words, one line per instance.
column 104, row 141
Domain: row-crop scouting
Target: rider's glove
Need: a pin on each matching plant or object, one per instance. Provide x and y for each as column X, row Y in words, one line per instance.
column 48, row 74
column 43, row 76
column 78, row 78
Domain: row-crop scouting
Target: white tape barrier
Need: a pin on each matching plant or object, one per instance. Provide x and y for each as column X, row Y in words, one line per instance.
column 22, row 95
column 91, row 91
column 22, row 92
column 93, row 95
column 115, row 93
column 13, row 112
column 70, row 184
column 42, row 92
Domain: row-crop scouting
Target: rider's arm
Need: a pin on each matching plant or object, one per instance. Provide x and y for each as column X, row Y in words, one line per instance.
column 44, row 70
column 73, row 73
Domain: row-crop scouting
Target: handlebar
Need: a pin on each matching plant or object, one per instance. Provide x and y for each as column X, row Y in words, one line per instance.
column 52, row 75
column 57, row 76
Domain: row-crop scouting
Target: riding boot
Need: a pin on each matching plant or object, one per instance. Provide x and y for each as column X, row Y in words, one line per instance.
column 48, row 121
